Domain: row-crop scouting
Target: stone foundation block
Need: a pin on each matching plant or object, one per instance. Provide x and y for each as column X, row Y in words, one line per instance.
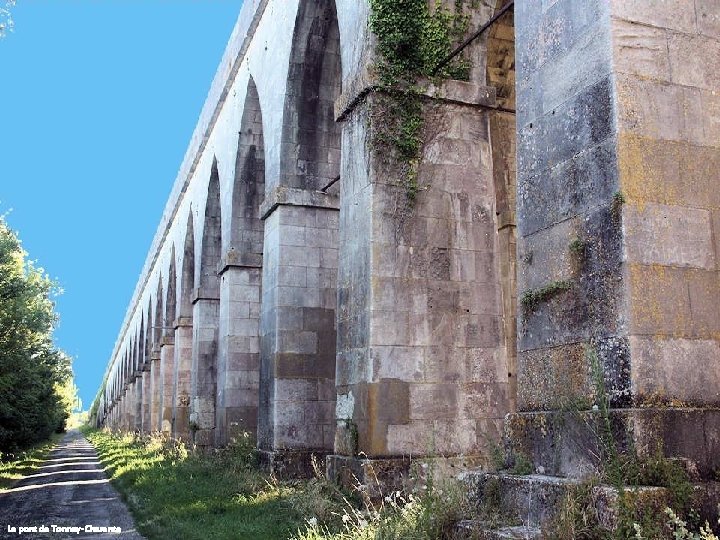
column 287, row 464
column 569, row 443
column 378, row 477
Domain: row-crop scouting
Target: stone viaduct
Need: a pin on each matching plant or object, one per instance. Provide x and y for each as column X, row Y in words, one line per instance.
column 566, row 229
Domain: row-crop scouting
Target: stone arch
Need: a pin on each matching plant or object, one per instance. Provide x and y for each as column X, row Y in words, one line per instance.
column 187, row 277
column 211, row 243
column 170, row 314
column 238, row 357
column 300, row 274
column 145, row 368
column 147, row 337
column 140, row 345
column 158, row 315
column 182, row 362
column 156, row 383
column 166, row 376
column 501, row 76
column 135, row 376
column 310, row 156
column 248, row 191
column 206, row 319
column 123, row 367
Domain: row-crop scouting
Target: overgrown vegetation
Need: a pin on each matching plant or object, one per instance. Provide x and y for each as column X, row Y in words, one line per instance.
column 37, row 392
column 627, row 471
column 174, row 493
column 576, row 519
column 412, row 40
column 511, row 462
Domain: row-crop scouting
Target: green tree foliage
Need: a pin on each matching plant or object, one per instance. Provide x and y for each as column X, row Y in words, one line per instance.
column 36, row 384
column 6, row 21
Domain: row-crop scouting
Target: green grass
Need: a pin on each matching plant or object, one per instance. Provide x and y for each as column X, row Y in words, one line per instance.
column 175, row 494
column 14, row 466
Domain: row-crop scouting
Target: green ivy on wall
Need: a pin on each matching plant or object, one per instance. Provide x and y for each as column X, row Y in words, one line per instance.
column 412, row 40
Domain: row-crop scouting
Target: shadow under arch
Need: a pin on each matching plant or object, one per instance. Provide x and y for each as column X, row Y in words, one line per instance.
column 310, row 156
column 183, row 324
column 241, row 283
column 144, row 372
column 167, row 349
column 206, row 300
column 298, row 341
column 156, row 382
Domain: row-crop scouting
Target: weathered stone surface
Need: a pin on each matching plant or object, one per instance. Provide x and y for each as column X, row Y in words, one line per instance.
column 671, row 14
column 682, row 371
column 641, row 50
column 318, row 297
column 669, row 236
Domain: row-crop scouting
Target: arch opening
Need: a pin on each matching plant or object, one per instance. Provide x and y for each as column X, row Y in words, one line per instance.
column 299, row 281
column 239, row 324
column 183, row 324
column 311, row 137
column 206, row 319
column 167, row 351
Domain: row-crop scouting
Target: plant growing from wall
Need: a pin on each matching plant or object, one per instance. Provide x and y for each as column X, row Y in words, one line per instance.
column 534, row 297
column 412, row 39
column 618, row 202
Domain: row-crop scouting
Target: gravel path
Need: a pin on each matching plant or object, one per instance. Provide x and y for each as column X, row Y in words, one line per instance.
column 69, row 490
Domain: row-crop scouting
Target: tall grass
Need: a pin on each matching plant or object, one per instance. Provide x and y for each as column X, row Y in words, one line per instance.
column 174, row 493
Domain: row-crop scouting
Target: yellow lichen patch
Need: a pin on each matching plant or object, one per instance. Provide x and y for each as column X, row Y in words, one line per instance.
column 658, row 300
column 649, row 170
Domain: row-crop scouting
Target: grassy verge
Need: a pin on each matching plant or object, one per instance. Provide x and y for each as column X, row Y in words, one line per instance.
column 14, row 466
column 176, row 494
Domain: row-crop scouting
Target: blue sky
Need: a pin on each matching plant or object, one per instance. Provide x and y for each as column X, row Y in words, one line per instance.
column 98, row 100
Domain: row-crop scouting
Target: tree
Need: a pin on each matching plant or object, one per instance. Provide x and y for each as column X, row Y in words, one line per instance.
column 6, row 21
column 36, row 382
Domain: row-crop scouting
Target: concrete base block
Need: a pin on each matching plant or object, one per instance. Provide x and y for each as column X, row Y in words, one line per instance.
column 204, row 438
column 181, row 424
column 569, row 443
column 534, row 501
column 378, row 477
column 287, row 464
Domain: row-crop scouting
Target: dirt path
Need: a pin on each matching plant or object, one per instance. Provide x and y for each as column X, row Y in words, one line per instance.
column 69, row 490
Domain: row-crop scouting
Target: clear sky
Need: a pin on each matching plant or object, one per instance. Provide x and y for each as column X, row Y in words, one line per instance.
column 98, row 100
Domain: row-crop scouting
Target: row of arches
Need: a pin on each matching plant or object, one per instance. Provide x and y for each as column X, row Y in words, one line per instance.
column 179, row 370
column 240, row 332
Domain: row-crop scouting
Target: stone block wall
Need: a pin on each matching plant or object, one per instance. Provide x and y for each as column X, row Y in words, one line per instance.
column 203, row 370
column 156, row 391
column 297, row 378
column 667, row 60
column 570, row 279
column 334, row 313
column 239, row 354
column 181, row 380
column 422, row 367
column 167, row 377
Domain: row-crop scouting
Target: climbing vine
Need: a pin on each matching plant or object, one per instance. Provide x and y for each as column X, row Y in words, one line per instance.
column 412, row 40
